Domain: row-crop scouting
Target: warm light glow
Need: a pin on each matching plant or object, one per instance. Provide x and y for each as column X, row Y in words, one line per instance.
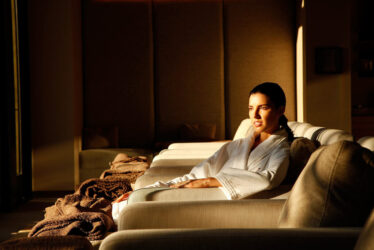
column 300, row 76
column 302, row 3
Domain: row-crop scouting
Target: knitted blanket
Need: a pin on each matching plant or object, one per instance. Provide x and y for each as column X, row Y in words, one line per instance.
column 76, row 215
column 87, row 212
column 92, row 225
column 109, row 188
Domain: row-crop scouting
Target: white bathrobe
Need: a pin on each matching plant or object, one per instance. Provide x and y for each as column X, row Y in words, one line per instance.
column 243, row 172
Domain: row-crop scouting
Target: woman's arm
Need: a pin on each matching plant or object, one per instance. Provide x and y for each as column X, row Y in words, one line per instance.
column 204, row 170
column 239, row 183
column 198, row 183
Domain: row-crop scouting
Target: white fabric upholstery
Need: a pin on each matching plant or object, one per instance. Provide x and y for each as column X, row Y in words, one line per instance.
column 301, row 128
column 253, row 213
column 243, row 129
column 187, row 152
column 201, row 156
column 197, row 145
column 367, row 142
column 330, row 136
column 293, row 125
column 310, row 131
column 193, row 194
column 176, row 162
column 161, row 173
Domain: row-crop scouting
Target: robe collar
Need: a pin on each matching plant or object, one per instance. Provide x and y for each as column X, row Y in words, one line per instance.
column 265, row 147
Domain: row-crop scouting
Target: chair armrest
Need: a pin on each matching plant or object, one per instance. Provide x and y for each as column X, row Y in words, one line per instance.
column 190, row 194
column 307, row 238
column 201, row 214
column 176, row 194
column 215, row 145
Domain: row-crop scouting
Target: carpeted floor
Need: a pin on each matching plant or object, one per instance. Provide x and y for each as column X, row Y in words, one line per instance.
column 18, row 222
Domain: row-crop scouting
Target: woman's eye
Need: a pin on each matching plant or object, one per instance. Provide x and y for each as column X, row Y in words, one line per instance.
column 264, row 107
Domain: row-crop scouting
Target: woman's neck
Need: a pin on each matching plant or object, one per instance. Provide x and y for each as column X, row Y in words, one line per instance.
column 260, row 138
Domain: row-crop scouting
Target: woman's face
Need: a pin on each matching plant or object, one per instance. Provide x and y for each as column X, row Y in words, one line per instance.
column 263, row 114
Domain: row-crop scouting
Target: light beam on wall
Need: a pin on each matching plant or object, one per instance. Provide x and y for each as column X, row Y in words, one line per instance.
column 300, row 65
column 300, row 75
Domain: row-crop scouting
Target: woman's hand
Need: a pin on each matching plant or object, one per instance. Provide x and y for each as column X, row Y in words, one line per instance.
column 123, row 197
column 199, row 183
column 180, row 184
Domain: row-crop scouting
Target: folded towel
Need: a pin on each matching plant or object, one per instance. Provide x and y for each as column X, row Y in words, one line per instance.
column 109, row 188
column 131, row 163
column 92, row 225
column 77, row 203
column 124, row 174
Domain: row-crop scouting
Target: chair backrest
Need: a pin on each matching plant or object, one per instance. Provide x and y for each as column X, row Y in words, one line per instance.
column 312, row 132
column 293, row 125
column 323, row 135
column 335, row 189
column 243, row 129
column 330, row 136
column 301, row 128
column 367, row 142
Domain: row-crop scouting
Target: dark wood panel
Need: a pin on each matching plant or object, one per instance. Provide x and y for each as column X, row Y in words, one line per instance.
column 118, row 69
column 362, row 126
column 188, row 65
column 259, row 47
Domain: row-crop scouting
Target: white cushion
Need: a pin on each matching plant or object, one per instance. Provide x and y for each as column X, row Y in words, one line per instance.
column 187, row 152
column 176, row 162
column 243, row 129
column 367, row 142
column 197, row 145
column 301, row 128
column 330, row 136
column 310, row 131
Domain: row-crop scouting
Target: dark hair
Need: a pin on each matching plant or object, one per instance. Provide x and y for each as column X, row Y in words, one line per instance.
column 278, row 98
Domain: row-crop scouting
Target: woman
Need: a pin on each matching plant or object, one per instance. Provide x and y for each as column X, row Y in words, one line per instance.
column 252, row 164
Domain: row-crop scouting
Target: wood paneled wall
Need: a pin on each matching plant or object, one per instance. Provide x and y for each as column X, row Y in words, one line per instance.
column 188, row 43
column 150, row 66
column 56, row 94
column 118, row 69
column 259, row 47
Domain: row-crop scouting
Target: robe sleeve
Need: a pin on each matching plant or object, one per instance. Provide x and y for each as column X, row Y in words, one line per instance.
column 208, row 168
column 239, row 183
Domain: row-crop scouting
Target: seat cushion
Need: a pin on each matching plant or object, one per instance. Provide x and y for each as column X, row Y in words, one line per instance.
column 336, row 188
column 155, row 174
